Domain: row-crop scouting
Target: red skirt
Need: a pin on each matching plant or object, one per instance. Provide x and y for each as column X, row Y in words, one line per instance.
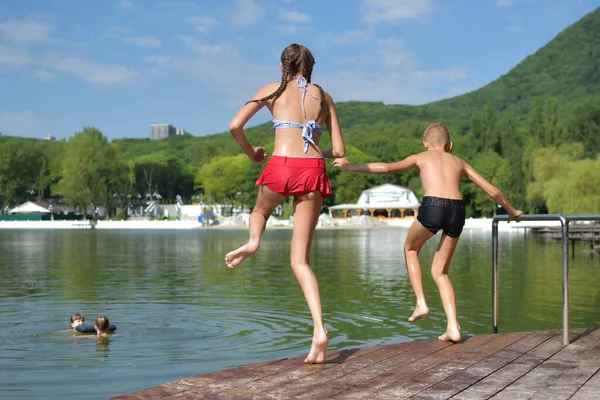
column 295, row 176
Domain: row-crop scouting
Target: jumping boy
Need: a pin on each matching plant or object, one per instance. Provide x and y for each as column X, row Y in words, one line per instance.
column 442, row 208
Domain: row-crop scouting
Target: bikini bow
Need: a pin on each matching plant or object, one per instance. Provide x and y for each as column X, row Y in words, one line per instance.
column 307, row 134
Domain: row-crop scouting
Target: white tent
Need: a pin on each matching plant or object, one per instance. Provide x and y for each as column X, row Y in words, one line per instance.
column 387, row 196
column 29, row 207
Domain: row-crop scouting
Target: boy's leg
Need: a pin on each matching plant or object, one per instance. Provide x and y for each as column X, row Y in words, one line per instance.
column 306, row 216
column 417, row 236
column 439, row 271
column 266, row 201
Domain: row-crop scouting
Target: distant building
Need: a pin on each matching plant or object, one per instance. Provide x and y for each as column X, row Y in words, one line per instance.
column 180, row 132
column 50, row 138
column 161, row 131
column 384, row 201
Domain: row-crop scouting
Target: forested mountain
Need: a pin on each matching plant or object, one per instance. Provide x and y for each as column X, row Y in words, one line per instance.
column 534, row 132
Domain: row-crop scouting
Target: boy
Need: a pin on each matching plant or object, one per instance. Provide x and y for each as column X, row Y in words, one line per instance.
column 442, row 208
column 76, row 320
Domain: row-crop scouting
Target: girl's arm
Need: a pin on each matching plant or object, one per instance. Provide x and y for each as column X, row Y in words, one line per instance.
column 338, row 149
column 236, row 126
column 378, row 167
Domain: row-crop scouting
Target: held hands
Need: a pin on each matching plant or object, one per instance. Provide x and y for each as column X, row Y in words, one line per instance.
column 259, row 155
column 341, row 162
column 515, row 216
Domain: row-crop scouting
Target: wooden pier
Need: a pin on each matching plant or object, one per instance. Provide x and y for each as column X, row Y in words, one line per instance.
column 510, row 366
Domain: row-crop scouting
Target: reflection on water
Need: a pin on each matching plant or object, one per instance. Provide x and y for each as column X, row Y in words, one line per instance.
column 180, row 312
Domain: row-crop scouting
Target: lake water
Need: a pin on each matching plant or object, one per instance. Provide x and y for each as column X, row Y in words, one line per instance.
column 180, row 312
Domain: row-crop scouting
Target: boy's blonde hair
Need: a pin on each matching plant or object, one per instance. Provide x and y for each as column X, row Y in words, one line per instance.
column 437, row 134
column 102, row 324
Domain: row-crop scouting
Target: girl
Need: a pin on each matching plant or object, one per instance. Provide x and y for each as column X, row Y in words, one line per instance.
column 296, row 168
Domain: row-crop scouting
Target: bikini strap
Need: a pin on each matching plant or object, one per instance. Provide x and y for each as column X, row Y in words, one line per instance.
column 302, row 84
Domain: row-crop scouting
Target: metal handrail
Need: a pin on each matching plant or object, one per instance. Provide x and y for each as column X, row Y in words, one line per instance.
column 564, row 222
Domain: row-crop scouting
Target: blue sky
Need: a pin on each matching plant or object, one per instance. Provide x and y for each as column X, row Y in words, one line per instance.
column 121, row 65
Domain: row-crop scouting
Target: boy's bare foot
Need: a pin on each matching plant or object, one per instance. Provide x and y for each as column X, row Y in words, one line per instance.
column 421, row 310
column 236, row 257
column 451, row 335
column 317, row 350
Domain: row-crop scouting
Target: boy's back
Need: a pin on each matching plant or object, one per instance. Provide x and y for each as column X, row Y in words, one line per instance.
column 441, row 173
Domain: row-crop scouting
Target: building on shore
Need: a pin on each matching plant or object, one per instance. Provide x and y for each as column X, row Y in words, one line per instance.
column 386, row 201
column 161, row 131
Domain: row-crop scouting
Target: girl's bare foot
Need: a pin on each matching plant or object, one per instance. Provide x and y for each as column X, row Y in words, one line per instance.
column 451, row 335
column 318, row 348
column 236, row 257
column 421, row 310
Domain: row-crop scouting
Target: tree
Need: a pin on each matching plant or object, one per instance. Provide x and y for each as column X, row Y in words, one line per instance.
column 576, row 189
column 585, row 126
column 85, row 162
column 224, row 177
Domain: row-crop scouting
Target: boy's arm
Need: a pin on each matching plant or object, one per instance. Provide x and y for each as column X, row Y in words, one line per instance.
column 492, row 191
column 377, row 168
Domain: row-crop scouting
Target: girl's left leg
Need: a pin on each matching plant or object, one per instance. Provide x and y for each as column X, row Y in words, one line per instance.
column 306, row 215
column 265, row 203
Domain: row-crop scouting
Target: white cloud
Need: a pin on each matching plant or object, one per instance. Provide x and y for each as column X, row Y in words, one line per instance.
column 226, row 73
column 202, row 24
column 44, row 76
column 19, row 123
column 508, row 3
column 26, row 31
column 12, row 58
column 394, row 55
column 125, row 35
column 388, row 72
column 117, row 32
column 293, row 29
column 125, row 4
column 351, row 37
column 246, row 13
column 143, row 41
column 294, row 16
column 158, row 60
column 396, row 10
column 91, row 71
column 202, row 48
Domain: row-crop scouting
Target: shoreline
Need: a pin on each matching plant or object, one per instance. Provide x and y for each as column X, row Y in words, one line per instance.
column 484, row 224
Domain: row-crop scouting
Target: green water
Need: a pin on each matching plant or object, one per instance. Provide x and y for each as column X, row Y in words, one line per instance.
column 180, row 312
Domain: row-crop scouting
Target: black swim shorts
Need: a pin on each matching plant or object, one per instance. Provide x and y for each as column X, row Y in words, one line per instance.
column 437, row 213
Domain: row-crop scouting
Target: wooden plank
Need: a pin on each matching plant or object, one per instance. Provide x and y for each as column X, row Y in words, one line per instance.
column 506, row 375
column 400, row 375
column 551, row 369
column 586, row 364
column 432, row 376
column 357, row 370
column 249, row 382
column 484, row 368
column 418, row 356
column 589, row 390
column 339, row 370
column 188, row 383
